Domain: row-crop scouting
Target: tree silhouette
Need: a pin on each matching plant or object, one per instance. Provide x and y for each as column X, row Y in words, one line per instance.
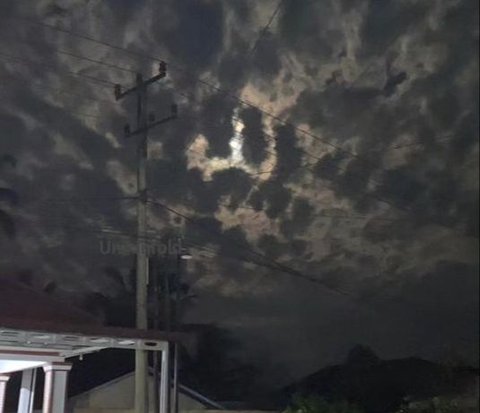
column 361, row 355
column 119, row 306
column 8, row 196
column 217, row 369
column 315, row 404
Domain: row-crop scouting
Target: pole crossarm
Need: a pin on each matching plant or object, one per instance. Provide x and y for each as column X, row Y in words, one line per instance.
column 151, row 125
column 141, row 84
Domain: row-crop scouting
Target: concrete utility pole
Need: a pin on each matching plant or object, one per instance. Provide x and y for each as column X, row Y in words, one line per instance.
column 144, row 123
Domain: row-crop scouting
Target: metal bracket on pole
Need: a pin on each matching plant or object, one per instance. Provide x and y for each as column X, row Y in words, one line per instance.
column 152, row 124
column 162, row 72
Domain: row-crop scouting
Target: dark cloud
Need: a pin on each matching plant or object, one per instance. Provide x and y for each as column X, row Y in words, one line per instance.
column 329, row 165
column 465, row 136
column 289, row 155
column 304, row 28
column 301, row 217
column 432, row 300
column 468, row 211
column 353, row 182
column 271, row 246
column 393, row 82
column 233, row 69
column 233, row 182
column 216, row 124
column 125, row 10
column 431, row 195
column 329, row 108
column 172, row 181
column 55, row 10
column 234, row 242
column 203, row 229
column 386, row 20
column 266, row 58
column 12, row 126
column 379, row 231
column 271, row 197
column 197, row 38
column 298, row 246
column 399, row 186
column 254, row 143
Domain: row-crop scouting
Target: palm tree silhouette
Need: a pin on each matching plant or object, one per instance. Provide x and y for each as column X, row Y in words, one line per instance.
column 119, row 306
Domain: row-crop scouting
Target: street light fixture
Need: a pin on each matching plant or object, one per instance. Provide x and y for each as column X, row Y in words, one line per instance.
column 185, row 254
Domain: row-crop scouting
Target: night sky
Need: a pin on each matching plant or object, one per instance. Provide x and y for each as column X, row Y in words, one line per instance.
column 338, row 138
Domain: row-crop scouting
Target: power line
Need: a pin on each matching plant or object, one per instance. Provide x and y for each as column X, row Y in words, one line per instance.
column 266, row 261
column 309, row 166
column 214, row 254
column 406, row 145
column 270, row 137
column 21, row 60
column 442, row 139
column 229, row 94
column 82, row 57
column 267, row 26
column 306, row 166
column 80, row 36
column 65, row 92
column 377, row 197
column 132, row 235
column 82, row 199
column 86, row 115
column 267, row 136
column 76, row 113
column 70, row 93
column 235, row 118
column 218, row 89
column 201, row 81
column 268, row 264
column 91, row 60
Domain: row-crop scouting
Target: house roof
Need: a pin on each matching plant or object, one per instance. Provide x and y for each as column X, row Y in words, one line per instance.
column 19, row 302
column 29, row 318
column 114, row 378
column 23, row 308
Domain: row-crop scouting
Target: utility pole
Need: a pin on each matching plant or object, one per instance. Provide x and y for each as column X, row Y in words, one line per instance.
column 145, row 122
column 176, row 321
column 182, row 255
column 156, row 326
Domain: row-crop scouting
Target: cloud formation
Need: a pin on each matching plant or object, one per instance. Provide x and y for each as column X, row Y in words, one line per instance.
column 366, row 178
